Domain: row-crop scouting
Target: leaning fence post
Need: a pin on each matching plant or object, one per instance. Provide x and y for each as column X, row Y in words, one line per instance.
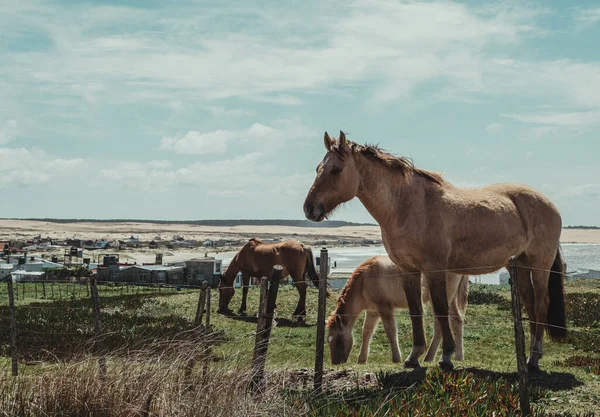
column 320, row 351
column 519, row 338
column 98, row 327
column 13, row 327
column 198, row 322
column 201, row 304
column 262, row 335
column 208, row 297
column 207, row 351
column 44, row 290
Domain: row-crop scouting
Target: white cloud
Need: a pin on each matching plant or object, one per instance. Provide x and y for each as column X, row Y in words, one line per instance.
column 195, row 142
column 549, row 124
column 573, row 119
column 538, row 132
column 586, row 18
column 493, row 128
column 24, row 167
column 401, row 44
column 222, row 111
column 228, row 174
column 8, row 131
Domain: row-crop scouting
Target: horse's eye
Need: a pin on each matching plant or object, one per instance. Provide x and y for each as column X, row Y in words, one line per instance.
column 336, row 170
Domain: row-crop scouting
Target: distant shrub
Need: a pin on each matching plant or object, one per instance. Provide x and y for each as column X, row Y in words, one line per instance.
column 488, row 295
column 583, row 309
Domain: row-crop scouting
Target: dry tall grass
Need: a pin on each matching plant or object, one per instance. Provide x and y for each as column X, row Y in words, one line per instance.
column 139, row 385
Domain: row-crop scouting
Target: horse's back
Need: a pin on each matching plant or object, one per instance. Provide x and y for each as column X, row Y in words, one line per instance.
column 487, row 222
column 261, row 257
column 382, row 283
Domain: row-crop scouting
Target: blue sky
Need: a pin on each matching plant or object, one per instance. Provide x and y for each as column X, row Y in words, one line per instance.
column 195, row 110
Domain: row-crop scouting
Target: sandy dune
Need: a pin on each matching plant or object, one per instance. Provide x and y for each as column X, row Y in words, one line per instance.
column 26, row 229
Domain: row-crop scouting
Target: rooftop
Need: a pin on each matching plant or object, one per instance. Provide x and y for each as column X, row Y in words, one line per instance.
column 153, row 267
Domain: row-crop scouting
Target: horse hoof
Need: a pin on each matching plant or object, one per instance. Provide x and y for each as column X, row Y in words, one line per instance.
column 532, row 368
column 429, row 358
column 411, row 364
column 446, row 366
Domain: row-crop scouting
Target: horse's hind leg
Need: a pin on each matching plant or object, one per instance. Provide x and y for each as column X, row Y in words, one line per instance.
column 539, row 279
column 456, row 322
column 389, row 325
column 245, row 285
column 371, row 319
column 527, row 296
column 300, row 285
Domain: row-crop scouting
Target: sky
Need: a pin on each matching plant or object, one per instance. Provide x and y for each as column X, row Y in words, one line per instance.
column 181, row 110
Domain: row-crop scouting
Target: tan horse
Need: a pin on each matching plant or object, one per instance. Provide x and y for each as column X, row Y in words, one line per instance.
column 256, row 259
column 428, row 225
column 377, row 287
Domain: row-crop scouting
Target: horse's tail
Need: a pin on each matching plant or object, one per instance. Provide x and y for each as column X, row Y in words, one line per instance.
column 462, row 295
column 310, row 269
column 556, row 323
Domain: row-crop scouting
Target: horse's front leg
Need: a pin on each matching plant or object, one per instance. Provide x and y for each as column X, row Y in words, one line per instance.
column 371, row 319
column 411, row 283
column 439, row 299
column 245, row 286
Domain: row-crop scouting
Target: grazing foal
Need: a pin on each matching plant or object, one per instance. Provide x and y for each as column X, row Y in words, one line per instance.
column 377, row 287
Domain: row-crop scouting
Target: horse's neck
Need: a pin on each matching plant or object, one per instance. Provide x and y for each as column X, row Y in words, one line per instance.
column 351, row 308
column 385, row 193
column 232, row 270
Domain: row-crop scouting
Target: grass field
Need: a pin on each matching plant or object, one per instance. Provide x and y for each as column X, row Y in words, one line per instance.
column 149, row 339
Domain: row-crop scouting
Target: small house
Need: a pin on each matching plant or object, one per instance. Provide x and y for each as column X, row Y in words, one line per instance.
column 151, row 274
column 201, row 269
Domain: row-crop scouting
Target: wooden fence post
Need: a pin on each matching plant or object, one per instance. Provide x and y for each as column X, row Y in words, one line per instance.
column 207, row 351
column 519, row 339
column 320, row 350
column 208, row 297
column 201, row 304
column 261, row 345
column 198, row 322
column 98, row 327
column 43, row 290
column 13, row 327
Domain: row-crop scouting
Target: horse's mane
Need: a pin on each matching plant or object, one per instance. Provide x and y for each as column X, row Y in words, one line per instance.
column 398, row 163
column 352, row 281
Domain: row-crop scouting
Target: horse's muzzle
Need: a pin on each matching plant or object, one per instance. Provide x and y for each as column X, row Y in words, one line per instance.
column 314, row 212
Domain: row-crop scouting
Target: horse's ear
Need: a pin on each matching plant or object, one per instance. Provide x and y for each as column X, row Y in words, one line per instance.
column 343, row 143
column 328, row 142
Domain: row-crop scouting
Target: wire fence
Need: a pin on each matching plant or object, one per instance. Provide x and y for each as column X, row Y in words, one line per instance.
column 40, row 297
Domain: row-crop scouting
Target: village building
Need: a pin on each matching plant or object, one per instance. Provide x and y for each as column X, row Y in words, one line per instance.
column 202, row 269
column 151, row 274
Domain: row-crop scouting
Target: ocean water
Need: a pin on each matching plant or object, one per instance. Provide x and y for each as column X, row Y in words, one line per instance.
column 578, row 256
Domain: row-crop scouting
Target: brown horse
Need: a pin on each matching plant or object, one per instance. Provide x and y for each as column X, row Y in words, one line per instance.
column 428, row 225
column 376, row 286
column 256, row 259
